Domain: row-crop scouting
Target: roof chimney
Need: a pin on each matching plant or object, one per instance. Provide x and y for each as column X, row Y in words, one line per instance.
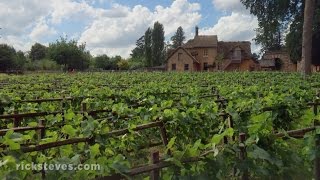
column 197, row 31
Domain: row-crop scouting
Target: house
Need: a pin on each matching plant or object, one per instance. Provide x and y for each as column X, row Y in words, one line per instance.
column 206, row 53
column 277, row 60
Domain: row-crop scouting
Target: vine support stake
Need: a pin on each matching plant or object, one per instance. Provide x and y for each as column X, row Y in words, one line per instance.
column 155, row 158
column 164, row 135
column 41, row 132
column 243, row 155
column 84, row 107
column 317, row 159
column 17, row 120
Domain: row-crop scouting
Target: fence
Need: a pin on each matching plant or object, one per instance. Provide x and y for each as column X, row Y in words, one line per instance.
column 157, row 164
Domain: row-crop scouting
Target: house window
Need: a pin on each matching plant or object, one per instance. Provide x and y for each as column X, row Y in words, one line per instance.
column 186, row 67
column 179, row 56
column 236, row 54
column 205, row 53
column 173, row 67
column 205, row 66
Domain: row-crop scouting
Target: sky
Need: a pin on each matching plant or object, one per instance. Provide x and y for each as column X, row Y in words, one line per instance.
column 112, row 26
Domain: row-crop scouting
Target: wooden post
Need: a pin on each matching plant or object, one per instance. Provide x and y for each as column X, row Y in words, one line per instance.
column 41, row 132
column 243, row 155
column 317, row 159
column 83, row 108
column 17, row 120
column 63, row 108
column 225, row 118
column 230, row 124
column 317, row 145
column 164, row 136
column 155, row 158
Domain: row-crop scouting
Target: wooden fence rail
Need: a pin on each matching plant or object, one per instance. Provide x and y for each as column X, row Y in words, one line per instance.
column 157, row 164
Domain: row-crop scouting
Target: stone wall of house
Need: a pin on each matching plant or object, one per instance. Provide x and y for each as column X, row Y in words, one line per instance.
column 212, row 53
column 287, row 64
column 180, row 63
column 249, row 65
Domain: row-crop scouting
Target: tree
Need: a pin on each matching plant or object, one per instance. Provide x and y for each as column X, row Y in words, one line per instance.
column 136, row 63
column 276, row 17
column 69, row 54
column 157, row 44
column 102, row 61
column 38, row 51
column 178, row 38
column 139, row 50
column 307, row 37
column 123, row 64
column 273, row 20
column 148, row 47
column 20, row 60
column 7, row 57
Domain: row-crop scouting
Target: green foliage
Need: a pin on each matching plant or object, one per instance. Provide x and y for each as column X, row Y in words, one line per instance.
column 69, row 54
column 178, row 38
column 136, row 63
column 260, row 104
column 43, row 64
column 102, row 61
column 148, row 47
column 139, row 50
column 123, row 64
column 20, row 60
column 38, row 51
column 275, row 18
column 157, row 44
column 7, row 57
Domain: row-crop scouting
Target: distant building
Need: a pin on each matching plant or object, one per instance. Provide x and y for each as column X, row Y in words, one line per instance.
column 206, row 53
column 277, row 60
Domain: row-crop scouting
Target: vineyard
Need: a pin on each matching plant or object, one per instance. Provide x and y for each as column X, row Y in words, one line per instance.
column 140, row 125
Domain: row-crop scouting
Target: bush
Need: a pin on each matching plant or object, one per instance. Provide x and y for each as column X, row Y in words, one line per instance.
column 44, row 64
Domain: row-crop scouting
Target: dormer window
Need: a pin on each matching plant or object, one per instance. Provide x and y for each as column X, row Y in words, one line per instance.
column 236, row 54
column 205, row 53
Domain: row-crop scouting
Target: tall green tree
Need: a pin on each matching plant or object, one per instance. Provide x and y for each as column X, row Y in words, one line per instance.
column 69, row 54
column 157, row 44
column 148, row 47
column 178, row 38
column 38, row 51
column 139, row 50
column 273, row 19
column 7, row 57
column 20, row 60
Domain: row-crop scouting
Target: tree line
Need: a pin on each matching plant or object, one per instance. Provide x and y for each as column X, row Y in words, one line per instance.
column 63, row 54
column 151, row 50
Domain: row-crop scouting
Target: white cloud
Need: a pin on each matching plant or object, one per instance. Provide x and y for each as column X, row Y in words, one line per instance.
column 240, row 25
column 17, row 42
column 236, row 27
column 19, row 15
column 118, row 35
column 230, row 5
column 68, row 9
column 115, row 30
column 41, row 30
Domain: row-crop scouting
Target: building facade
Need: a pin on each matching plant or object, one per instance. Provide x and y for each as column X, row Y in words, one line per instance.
column 206, row 53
